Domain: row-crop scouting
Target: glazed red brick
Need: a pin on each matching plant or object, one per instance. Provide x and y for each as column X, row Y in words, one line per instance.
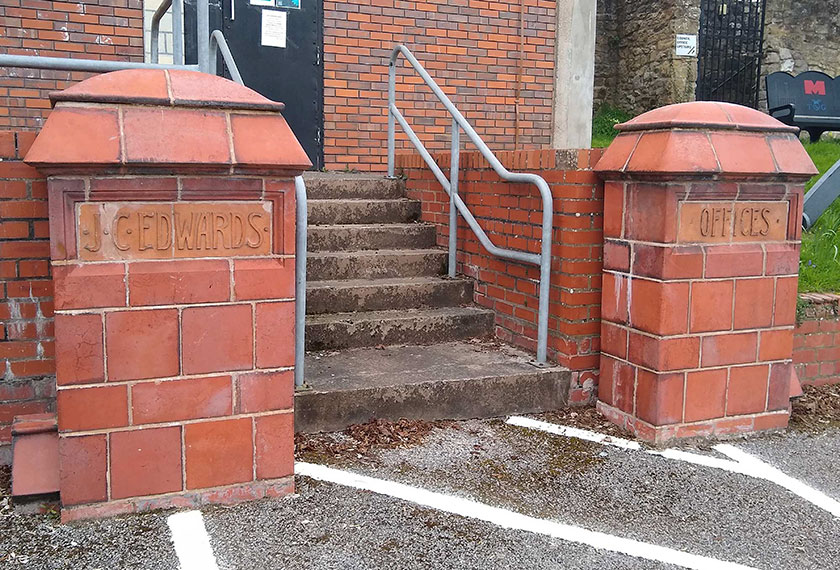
column 93, row 29
column 145, row 462
column 142, row 344
column 713, row 242
column 227, row 345
column 176, row 310
column 275, row 449
column 83, row 467
column 511, row 216
column 174, row 400
column 218, row 453
column 359, row 36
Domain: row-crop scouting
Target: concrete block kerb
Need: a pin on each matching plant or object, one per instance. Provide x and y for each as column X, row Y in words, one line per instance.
column 702, row 229
column 172, row 236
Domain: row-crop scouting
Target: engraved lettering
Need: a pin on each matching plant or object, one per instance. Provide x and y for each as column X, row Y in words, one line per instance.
column 745, row 231
column 202, row 232
column 145, row 223
column 184, row 231
column 705, row 217
column 119, row 245
column 221, row 222
column 237, row 231
column 259, row 240
column 97, row 241
column 765, row 216
column 164, row 232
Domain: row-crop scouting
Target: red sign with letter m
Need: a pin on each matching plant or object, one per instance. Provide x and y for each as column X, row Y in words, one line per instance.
column 814, row 87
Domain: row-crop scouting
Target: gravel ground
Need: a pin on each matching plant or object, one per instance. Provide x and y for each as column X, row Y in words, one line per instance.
column 629, row 494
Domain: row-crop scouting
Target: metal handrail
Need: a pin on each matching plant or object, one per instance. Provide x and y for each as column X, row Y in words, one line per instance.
column 72, row 64
column 177, row 31
column 218, row 42
column 543, row 260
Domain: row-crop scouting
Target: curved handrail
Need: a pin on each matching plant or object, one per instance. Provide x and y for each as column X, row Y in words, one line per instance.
column 544, row 259
column 218, row 41
column 155, row 28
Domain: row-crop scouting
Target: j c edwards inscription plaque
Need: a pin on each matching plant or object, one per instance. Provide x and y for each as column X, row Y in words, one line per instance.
column 162, row 230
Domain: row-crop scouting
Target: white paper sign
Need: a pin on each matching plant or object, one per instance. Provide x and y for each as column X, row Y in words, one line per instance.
column 687, row 44
column 269, row 3
column 274, row 28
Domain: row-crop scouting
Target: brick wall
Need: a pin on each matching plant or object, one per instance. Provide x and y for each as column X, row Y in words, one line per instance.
column 26, row 310
column 471, row 47
column 816, row 342
column 90, row 29
column 511, row 214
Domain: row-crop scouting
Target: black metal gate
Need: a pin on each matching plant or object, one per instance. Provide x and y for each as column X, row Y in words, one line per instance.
column 730, row 51
column 292, row 74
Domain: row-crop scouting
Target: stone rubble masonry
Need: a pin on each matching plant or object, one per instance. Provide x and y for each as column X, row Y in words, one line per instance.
column 175, row 376
column 471, row 48
column 511, row 214
column 87, row 29
column 27, row 347
column 698, row 321
column 816, row 343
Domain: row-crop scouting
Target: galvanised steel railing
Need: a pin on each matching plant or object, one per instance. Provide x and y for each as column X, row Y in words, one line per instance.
column 456, row 204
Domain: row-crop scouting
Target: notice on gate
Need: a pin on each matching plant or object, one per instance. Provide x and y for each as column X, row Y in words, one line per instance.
column 722, row 222
column 164, row 230
column 274, row 28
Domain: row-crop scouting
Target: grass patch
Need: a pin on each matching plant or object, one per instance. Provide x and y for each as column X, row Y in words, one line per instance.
column 819, row 269
column 603, row 125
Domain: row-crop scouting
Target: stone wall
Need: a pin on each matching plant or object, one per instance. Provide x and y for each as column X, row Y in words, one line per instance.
column 636, row 68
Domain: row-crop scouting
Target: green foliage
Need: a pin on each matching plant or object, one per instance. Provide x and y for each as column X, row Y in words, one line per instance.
column 603, row 125
column 819, row 267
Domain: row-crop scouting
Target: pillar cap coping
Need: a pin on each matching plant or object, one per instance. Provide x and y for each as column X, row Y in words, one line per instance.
column 165, row 87
column 710, row 115
column 706, row 140
column 178, row 121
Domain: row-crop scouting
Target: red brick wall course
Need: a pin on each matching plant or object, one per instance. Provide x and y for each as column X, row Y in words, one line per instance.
column 87, row 29
column 471, row 48
column 816, row 342
column 511, row 214
column 27, row 344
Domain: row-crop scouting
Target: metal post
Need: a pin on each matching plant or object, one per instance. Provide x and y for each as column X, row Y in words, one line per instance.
column 203, row 25
column 392, row 96
column 300, row 279
column 154, row 35
column 455, row 158
column 177, row 32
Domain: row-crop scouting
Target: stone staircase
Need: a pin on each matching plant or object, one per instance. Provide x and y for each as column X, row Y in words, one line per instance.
column 388, row 334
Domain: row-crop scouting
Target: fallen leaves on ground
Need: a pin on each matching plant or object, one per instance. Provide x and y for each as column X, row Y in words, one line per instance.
column 817, row 409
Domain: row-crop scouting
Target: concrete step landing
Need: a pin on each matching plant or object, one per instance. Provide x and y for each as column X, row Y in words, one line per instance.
column 363, row 211
column 349, row 186
column 375, row 264
column 455, row 380
column 346, row 237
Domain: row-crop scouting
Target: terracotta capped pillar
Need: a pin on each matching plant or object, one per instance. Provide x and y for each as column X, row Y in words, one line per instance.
column 702, row 226
column 172, row 241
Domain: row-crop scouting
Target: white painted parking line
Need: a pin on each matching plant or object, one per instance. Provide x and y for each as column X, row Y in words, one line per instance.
column 774, row 475
column 192, row 544
column 513, row 520
column 738, row 462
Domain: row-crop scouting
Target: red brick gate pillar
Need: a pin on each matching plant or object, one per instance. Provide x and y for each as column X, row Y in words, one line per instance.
column 703, row 206
column 172, row 241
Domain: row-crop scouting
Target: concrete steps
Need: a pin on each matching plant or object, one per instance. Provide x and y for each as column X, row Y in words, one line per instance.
column 388, row 334
column 375, row 264
column 345, row 296
column 455, row 380
column 365, row 211
column 355, row 237
column 336, row 331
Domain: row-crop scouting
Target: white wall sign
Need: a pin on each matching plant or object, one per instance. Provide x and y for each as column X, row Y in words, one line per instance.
column 687, row 45
column 274, row 28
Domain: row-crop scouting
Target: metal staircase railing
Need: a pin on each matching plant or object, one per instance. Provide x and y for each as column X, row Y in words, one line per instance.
column 457, row 205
